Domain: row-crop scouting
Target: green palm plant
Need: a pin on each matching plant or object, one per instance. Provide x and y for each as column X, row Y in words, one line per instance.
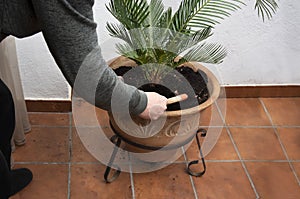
column 153, row 34
column 266, row 8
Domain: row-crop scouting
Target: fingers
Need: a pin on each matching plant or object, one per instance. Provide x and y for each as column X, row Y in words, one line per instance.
column 121, row 78
column 156, row 111
column 157, row 104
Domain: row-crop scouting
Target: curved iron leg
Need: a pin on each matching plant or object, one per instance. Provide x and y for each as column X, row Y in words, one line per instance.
column 189, row 171
column 117, row 141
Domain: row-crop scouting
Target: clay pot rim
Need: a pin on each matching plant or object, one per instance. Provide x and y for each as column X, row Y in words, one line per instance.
column 213, row 83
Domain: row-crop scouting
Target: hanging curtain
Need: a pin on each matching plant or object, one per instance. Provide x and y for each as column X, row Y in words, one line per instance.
column 10, row 75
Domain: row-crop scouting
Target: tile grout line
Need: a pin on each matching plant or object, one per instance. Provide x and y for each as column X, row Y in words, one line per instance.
column 48, row 113
column 217, row 126
column 43, row 163
column 191, row 179
column 131, row 178
column 238, row 153
column 70, row 156
column 81, row 163
column 277, row 126
column 49, row 126
column 245, row 160
column 243, row 163
column 280, row 142
column 96, row 163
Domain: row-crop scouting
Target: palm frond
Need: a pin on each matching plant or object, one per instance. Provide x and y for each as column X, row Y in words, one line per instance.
column 193, row 15
column 155, row 35
column 266, row 8
column 165, row 19
column 201, row 35
column 186, row 42
column 129, row 52
column 206, row 53
column 131, row 13
column 119, row 31
column 176, row 42
column 156, row 10
column 139, row 38
column 124, row 49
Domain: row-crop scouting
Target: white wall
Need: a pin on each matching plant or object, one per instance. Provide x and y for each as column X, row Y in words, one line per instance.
column 41, row 78
column 259, row 53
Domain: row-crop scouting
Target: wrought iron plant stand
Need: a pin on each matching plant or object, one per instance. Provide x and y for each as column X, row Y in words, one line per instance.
column 111, row 175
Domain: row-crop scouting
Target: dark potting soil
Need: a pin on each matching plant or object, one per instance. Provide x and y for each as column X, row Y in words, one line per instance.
column 179, row 81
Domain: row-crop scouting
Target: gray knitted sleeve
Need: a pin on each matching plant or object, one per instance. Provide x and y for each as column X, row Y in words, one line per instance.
column 70, row 33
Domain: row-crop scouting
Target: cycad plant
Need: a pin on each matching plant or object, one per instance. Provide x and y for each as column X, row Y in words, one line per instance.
column 155, row 36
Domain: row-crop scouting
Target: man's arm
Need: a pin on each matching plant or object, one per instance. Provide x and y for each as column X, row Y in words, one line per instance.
column 70, row 32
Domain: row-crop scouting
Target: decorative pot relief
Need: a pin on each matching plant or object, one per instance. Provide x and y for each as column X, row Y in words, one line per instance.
column 182, row 127
column 137, row 129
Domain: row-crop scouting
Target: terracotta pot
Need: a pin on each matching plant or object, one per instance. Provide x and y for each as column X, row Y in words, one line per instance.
column 179, row 127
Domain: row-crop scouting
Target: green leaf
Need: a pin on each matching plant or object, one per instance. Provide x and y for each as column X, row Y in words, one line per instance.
column 131, row 13
column 166, row 19
column 266, row 8
column 133, row 54
column 154, row 35
column 187, row 42
column 176, row 42
column 119, row 31
column 206, row 53
column 193, row 15
column 156, row 10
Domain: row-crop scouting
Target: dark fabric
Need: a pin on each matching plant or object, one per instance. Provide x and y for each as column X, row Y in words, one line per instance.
column 11, row 181
column 20, row 178
column 5, row 179
column 70, row 33
column 7, row 125
column 7, row 120
column 19, row 18
column 2, row 35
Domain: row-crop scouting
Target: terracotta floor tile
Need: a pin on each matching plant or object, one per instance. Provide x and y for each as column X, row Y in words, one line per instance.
column 180, row 156
column 215, row 146
column 49, row 182
column 49, row 119
column 79, row 152
column 87, row 182
column 45, row 144
column 102, row 117
column 224, row 180
column 245, row 112
column 163, row 156
column 291, row 141
column 297, row 168
column 50, row 143
column 169, row 182
column 221, row 103
column 88, row 144
column 283, row 111
column 85, row 114
column 211, row 117
column 257, row 144
column 274, row 180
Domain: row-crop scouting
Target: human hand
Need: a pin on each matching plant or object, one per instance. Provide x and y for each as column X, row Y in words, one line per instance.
column 121, row 78
column 156, row 106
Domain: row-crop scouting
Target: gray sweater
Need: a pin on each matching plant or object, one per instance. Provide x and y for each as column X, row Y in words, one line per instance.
column 70, row 33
